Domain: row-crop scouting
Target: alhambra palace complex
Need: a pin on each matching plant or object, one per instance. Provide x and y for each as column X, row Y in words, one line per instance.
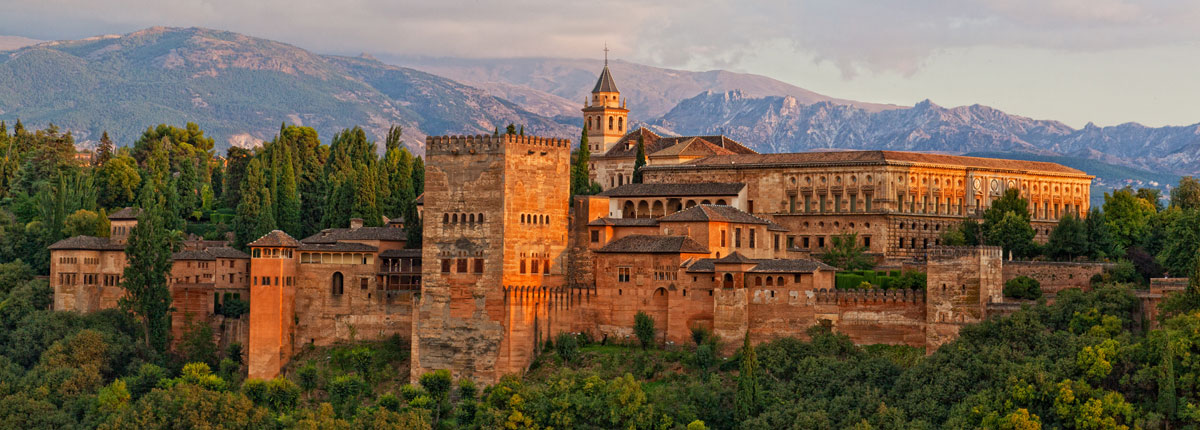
column 717, row 236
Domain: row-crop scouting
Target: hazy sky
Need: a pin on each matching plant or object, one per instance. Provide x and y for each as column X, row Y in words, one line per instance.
column 1106, row 61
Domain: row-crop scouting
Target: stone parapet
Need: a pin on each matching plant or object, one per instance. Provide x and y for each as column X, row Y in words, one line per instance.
column 869, row 296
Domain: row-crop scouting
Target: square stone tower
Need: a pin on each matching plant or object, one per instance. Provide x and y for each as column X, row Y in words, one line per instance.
column 495, row 224
column 960, row 283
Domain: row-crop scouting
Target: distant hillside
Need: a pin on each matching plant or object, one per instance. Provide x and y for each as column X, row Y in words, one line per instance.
column 652, row 91
column 238, row 88
column 785, row 124
column 8, row 43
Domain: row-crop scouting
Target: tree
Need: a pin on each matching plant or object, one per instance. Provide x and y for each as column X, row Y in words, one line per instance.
column 1187, row 194
column 1023, row 287
column 437, row 383
column 287, row 213
column 748, row 396
column 581, row 181
column 148, row 254
column 1013, row 234
column 119, row 180
column 643, row 327
column 84, row 223
column 104, row 151
column 845, row 253
column 510, row 130
column 1100, row 239
column 640, row 161
column 1069, row 239
column 254, row 213
column 1181, row 243
column 393, row 140
column 1128, row 217
column 237, row 162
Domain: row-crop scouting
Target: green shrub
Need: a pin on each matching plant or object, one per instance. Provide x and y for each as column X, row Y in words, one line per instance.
column 1023, row 287
column 567, row 347
column 643, row 327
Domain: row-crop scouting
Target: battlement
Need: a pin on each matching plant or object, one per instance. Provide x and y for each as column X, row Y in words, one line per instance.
column 869, row 296
column 492, row 144
column 954, row 252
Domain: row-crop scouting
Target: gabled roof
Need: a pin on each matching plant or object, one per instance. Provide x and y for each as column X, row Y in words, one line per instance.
column 624, row 222
column 338, row 247
column 276, row 238
column 839, row 158
column 654, row 244
column 331, row 235
column 692, row 147
column 714, row 213
column 192, row 255
column 227, row 252
column 125, row 213
column 706, row 265
column 605, row 84
column 675, row 190
column 627, row 145
column 90, row 243
column 736, row 258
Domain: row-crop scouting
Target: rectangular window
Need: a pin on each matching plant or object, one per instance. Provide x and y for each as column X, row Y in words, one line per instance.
column 737, row 237
column 791, row 203
column 752, row 238
column 854, row 203
column 445, row 265
column 776, row 242
column 791, row 242
column 820, row 241
column 546, row 267
column 867, row 198
column 867, row 241
column 478, row 265
column 362, row 283
column 837, row 203
column 595, row 236
column 522, row 266
column 821, row 201
column 804, row 242
column 533, row 264
column 722, row 238
column 750, row 206
column 622, row 274
column 462, row 266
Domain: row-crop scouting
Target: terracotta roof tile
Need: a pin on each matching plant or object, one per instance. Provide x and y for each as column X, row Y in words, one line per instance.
column 605, row 84
column 735, row 257
column 227, row 252
column 715, row 213
column 654, row 244
column 866, row 158
column 338, row 247
column 125, row 213
column 627, row 145
column 674, row 190
column 400, row 253
column 87, row 242
column 275, row 238
column 706, row 265
column 624, row 222
column 331, row 235
column 193, row 255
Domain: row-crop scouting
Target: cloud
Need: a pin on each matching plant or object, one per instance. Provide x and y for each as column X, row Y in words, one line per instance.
column 855, row 36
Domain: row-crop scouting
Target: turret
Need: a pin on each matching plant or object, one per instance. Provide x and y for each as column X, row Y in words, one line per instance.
column 605, row 113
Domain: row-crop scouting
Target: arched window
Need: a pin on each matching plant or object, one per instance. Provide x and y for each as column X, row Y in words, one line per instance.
column 757, row 281
column 471, row 218
column 620, row 124
column 335, row 286
column 770, row 281
column 728, row 280
column 480, row 218
column 445, row 218
column 454, row 219
column 610, row 123
column 779, row 281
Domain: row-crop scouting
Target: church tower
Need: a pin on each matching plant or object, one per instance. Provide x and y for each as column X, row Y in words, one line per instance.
column 605, row 114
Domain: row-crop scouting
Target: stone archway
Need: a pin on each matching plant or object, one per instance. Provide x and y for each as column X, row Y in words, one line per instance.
column 658, row 306
column 627, row 210
column 656, row 211
column 643, row 209
column 673, row 205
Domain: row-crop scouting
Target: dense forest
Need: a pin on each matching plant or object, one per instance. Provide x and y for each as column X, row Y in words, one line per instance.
column 1087, row 361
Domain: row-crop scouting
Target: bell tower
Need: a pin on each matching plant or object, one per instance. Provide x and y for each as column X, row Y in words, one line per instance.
column 605, row 114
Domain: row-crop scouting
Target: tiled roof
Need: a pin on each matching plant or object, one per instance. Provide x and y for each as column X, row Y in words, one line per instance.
column 331, row 235
column 276, row 238
column 868, row 158
column 654, row 244
column 192, row 255
column 715, row 213
column 624, row 222
column 420, row 199
column 735, row 257
column 126, row 213
column 338, row 247
column 400, row 253
column 627, row 145
column 670, row 190
column 705, row 265
column 87, row 242
column 227, row 252
column 694, row 147
column 605, row 84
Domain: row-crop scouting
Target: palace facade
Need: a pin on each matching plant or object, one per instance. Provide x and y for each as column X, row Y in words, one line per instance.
column 717, row 237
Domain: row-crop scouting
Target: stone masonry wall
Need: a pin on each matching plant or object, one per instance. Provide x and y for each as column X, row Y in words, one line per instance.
column 1054, row 276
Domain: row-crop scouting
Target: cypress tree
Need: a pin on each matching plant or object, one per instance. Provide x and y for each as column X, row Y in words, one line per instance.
column 511, row 129
column 104, row 151
column 250, row 211
column 393, row 138
column 640, row 161
column 366, row 204
column 748, row 395
column 288, row 215
column 145, row 279
column 522, row 132
column 418, row 177
column 581, row 181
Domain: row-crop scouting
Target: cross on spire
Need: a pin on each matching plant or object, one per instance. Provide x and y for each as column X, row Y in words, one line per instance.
column 605, row 54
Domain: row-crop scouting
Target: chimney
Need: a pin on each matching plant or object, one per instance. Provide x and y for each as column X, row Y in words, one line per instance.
column 356, row 223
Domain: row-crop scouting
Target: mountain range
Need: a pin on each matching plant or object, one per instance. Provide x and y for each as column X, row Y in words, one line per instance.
column 240, row 88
